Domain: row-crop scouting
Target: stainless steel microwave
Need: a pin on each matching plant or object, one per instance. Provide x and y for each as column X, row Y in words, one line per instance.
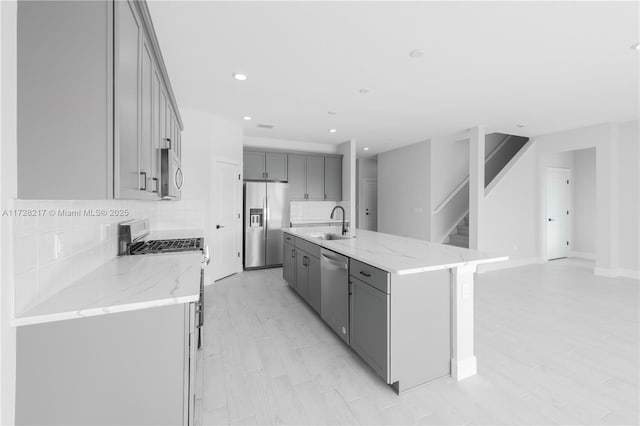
column 171, row 177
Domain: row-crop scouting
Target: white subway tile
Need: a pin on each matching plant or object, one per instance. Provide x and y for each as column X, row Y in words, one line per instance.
column 25, row 253
column 26, row 289
column 46, row 248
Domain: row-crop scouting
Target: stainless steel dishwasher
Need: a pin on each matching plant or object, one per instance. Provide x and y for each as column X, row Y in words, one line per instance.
column 334, row 292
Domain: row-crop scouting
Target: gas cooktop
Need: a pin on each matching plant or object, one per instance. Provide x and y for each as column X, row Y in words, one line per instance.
column 167, row 246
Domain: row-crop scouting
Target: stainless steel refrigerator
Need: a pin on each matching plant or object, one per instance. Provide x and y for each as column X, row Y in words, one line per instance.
column 266, row 212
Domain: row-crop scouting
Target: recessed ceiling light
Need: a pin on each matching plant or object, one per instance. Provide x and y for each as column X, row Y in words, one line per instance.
column 522, row 125
column 331, row 113
column 246, row 117
column 416, row 53
column 636, row 46
column 364, row 90
column 239, row 76
column 332, row 130
column 366, row 148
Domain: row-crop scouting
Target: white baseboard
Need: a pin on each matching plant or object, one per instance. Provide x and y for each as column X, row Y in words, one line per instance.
column 511, row 263
column 617, row 272
column 461, row 369
column 582, row 255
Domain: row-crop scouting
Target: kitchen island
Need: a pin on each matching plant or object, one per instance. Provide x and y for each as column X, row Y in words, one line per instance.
column 410, row 301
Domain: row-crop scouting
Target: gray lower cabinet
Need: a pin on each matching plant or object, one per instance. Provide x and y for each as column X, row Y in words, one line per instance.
column 314, row 283
column 139, row 367
column 302, row 274
column 105, row 53
column 301, row 269
column 289, row 264
column 332, row 179
column 369, row 324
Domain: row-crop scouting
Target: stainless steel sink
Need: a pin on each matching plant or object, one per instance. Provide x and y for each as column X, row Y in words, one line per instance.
column 330, row 236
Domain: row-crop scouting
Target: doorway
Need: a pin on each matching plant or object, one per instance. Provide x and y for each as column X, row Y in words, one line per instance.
column 226, row 219
column 558, row 213
column 369, row 205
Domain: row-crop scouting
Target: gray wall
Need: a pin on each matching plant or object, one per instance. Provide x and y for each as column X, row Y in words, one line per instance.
column 404, row 203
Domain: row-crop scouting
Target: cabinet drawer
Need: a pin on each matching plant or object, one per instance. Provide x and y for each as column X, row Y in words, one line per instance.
column 371, row 275
column 288, row 238
column 310, row 248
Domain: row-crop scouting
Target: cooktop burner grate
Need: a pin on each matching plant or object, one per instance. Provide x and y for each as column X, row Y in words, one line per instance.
column 166, row 246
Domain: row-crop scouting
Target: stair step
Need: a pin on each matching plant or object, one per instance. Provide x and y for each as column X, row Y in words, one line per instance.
column 459, row 240
column 463, row 245
column 463, row 230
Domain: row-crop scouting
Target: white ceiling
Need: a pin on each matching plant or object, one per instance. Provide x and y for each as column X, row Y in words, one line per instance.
column 552, row 65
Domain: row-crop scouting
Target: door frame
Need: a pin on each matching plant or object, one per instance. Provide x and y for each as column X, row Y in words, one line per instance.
column 211, row 220
column 543, row 219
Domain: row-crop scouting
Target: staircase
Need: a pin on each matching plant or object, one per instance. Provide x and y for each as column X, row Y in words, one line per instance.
column 460, row 236
column 457, row 203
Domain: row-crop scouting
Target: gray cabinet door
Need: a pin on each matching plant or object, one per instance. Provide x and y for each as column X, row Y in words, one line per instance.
column 333, row 179
column 253, row 165
column 275, row 166
column 146, row 118
column 157, row 133
column 297, row 175
column 315, row 178
column 370, row 325
column 314, row 283
column 302, row 274
column 289, row 265
column 126, row 101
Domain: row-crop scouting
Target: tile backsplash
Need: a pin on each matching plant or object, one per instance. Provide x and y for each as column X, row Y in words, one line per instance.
column 66, row 240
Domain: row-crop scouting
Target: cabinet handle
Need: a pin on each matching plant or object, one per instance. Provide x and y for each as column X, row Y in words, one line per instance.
column 293, row 253
column 168, row 140
column 366, row 274
column 305, row 261
column 144, row 180
column 155, row 184
column 325, row 196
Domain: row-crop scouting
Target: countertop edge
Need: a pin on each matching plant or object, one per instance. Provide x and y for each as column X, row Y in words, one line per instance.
column 409, row 271
column 92, row 312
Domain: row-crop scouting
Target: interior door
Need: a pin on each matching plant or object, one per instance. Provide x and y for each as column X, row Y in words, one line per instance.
column 558, row 204
column 226, row 220
column 369, row 205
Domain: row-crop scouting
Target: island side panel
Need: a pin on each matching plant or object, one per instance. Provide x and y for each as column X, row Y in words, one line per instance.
column 463, row 360
column 420, row 326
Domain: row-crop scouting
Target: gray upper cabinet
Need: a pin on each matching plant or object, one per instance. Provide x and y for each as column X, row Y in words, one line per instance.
column 253, row 165
column 315, row 178
column 297, row 165
column 275, row 166
column 333, row 179
column 91, row 121
column 268, row 166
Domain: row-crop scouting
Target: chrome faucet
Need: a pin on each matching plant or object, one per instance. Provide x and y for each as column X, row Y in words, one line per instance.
column 344, row 228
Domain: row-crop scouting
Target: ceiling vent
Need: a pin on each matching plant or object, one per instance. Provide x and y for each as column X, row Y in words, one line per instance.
column 266, row 126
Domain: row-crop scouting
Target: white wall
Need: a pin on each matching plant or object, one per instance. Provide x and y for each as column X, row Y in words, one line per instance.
column 404, row 203
column 584, row 203
column 8, row 191
column 289, row 145
column 628, row 181
column 348, row 151
column 207, row 138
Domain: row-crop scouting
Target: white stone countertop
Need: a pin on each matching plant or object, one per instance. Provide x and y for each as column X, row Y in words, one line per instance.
column 395, row 254
column 125, row 283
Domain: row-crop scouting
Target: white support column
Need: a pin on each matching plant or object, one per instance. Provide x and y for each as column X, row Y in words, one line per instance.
column 476, row 185
column 463, row 360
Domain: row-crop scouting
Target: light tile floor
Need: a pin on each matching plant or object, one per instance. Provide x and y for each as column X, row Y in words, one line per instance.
column 555, row 345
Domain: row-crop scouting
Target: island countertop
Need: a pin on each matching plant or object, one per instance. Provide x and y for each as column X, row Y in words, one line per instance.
column 124, row 283
column 395, row 254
